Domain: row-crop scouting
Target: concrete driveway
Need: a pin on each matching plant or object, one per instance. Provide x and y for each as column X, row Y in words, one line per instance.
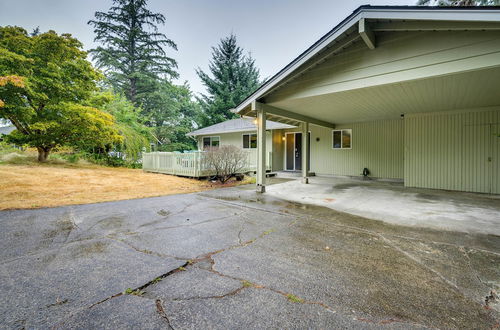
column 233, row 259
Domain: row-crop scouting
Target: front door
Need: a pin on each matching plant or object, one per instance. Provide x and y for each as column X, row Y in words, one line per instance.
column 294, row 151
column 298, row 151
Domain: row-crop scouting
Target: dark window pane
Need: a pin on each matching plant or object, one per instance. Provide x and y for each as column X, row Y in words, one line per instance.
column 337, row 139
column 346, row 138
column 215, row 141
column 206, row 142
column 253, row 141
column 246, row 142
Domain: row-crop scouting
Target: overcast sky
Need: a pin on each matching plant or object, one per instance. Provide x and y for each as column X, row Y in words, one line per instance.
column 274, row 31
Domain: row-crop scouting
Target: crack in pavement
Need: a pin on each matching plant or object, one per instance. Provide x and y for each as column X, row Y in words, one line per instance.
column 372, row 233
column 161, row 310
column 247, row 284
column 145, row 251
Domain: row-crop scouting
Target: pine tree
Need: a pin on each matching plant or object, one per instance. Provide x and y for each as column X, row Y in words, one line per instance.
column 233, row 77
column 132, row 54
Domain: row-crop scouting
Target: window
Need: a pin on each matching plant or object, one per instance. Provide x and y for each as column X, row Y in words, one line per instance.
column 342, row 138
column 211, row 141
column 249, row 141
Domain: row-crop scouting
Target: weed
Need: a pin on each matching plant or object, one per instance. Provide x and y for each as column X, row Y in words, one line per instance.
column 182, row 268
column 156, row 280
column 246, row 284
column 294, row 298
column 268, row 232
column 134, row 292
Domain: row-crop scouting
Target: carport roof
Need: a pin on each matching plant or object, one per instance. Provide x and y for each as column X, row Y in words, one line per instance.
column 237, row 125
column 340, row 36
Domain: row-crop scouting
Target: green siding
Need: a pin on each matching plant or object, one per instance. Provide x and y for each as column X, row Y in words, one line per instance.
column 236, row 139
column 451, row 150
column 376, row 145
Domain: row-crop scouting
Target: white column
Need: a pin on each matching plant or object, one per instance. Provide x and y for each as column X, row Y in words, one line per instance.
column 261, row 151
column 305, row 152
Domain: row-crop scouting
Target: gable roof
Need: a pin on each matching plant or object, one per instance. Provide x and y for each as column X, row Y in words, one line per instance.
column 237, row 125
column 346, row 32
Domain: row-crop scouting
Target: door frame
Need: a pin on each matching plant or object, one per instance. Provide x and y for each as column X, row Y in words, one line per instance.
column 285, row 167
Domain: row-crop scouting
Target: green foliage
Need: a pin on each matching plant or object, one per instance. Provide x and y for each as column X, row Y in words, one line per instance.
column 129, row 123
column 175, row 114
column 458, row 3
column 49, row 108
column 132, row 53
column 136, row 64
column 233, row 76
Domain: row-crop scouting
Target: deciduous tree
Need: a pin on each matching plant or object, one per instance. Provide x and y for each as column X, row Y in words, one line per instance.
column 46, row 84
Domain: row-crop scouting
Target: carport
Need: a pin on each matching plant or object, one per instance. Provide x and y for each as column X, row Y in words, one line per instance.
column 413, row 90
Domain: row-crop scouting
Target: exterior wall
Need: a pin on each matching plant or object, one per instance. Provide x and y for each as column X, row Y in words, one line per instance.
column 376, row 145
column 450, row 150
column 236, row 139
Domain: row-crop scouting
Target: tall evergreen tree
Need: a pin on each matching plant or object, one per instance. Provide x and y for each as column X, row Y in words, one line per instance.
column 132, row 54
column 232, row 77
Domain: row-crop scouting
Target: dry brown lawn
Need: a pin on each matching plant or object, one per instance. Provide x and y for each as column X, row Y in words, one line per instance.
column 34, row 186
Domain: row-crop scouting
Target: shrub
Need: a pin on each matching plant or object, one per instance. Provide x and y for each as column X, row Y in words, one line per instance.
column 226, row 161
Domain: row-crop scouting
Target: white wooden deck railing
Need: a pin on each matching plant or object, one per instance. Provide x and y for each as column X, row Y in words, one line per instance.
column 191, row 164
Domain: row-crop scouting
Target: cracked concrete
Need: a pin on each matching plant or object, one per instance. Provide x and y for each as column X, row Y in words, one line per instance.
column 231, row 258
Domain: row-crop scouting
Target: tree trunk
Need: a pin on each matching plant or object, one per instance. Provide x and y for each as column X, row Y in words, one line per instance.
column 43, row 154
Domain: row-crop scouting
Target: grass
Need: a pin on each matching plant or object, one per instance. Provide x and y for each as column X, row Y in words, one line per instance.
column 25, row 183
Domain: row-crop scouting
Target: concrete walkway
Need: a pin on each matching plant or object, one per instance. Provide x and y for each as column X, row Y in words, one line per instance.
column 393, row 203
column 232, row 258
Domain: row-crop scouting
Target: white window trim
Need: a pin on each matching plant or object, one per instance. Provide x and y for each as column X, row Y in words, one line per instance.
column 249, row 144
column 341, row 134
column 210, row 136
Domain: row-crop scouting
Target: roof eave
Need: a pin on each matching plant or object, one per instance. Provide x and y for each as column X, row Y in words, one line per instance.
column 470, row 14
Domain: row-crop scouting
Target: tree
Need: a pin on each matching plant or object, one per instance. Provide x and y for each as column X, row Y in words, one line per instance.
column 458, row 3
column 128, row 122
column 46, row 83
column 132, row 55
column 233, row 76
column 174, row 114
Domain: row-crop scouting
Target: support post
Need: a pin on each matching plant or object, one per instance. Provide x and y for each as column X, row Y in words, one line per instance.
column 305, row 152
column 261, row 151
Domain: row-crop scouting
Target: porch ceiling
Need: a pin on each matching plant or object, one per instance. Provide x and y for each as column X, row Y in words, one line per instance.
column 457, row 91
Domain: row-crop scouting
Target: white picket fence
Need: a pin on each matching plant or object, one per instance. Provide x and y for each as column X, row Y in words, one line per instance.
column 191, row 164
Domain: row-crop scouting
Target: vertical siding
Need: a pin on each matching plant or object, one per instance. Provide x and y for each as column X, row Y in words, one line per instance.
column 376, row 145
column 450, row 150
column 495, row 129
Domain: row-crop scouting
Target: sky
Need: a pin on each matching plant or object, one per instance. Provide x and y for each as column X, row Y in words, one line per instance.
column 273, row 31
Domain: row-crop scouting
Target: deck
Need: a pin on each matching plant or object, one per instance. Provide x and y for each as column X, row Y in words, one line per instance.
column 192, row 164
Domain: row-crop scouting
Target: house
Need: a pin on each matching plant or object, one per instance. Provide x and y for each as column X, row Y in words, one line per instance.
column 409, row 93
column 242, row 132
